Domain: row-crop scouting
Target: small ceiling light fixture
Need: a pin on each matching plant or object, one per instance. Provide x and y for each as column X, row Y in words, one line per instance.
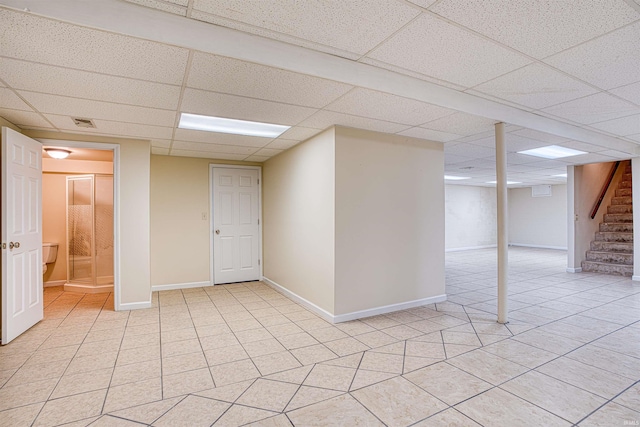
column 508, row 182
column 561, row 175
column 57, row 153
column 552, row 152
column 236, row 127
column 455, row 178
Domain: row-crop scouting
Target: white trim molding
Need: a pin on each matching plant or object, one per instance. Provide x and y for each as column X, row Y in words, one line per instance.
column 87, row 289
column 635, row 278
column 574, row 270
column 53, row 283
column 329, row 317
column 470, row 248
column 135, row 305
column 526, row 245
column 171, row 287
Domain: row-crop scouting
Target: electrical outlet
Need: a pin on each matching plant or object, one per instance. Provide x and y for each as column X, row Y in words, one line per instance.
column 204, row 216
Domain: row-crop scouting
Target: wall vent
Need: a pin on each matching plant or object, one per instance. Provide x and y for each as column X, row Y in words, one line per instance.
column 83, row 123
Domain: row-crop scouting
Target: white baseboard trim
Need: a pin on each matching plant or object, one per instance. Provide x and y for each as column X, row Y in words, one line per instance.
column 526, row 245
column 635, row 278
column 297, row 298
column 356, row 314
column 53, row 283
column 388, row 308
column 87, row 289
column 171, row 287
column 470, row 248
column 574, row 270
column 134, row 305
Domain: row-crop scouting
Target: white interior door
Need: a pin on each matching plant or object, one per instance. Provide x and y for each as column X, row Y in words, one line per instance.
column 236, row 232
column 21, row 234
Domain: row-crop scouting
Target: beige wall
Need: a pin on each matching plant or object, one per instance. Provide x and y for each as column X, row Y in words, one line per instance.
column 54, row 222
column 538, row 221
column 389, row 232
column 298, row 216
column 470, row 216
column 179, row 234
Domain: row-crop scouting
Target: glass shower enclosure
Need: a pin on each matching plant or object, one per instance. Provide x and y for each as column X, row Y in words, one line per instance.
column 90, row 233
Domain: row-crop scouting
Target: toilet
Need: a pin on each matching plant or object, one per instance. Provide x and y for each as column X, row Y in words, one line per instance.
column 49, row 254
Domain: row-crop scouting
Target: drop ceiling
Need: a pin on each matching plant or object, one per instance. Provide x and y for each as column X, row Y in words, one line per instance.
column 563, row 73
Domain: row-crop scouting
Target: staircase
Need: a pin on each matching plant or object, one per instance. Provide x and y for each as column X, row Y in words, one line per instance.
column 612, row 250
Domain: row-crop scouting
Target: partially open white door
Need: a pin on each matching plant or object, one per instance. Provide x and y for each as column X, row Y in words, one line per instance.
column 236, row 238
column 21, row 234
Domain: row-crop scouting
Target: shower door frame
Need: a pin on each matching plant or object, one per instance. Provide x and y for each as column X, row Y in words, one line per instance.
column 116, row 206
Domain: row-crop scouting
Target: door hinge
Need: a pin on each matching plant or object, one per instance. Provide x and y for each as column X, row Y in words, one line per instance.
column 4, row 246
column 258, row 181
column 258, row 262
column 258, row 222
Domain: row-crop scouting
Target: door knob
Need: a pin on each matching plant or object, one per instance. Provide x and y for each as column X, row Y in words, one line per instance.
column 217, row 231
column 14, row 245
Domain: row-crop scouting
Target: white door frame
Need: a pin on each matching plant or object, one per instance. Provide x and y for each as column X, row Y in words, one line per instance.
column 213, row 166
column 116, row 202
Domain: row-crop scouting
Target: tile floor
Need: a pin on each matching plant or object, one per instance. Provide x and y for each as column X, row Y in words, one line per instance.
column 243, row 354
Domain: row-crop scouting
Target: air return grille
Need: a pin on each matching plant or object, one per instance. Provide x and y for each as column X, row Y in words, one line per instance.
column 83, row 123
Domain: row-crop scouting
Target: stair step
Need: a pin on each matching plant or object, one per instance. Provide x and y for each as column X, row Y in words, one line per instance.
column 614, row 236
column 622, row 200
column 617, row 209
column 620, row 192
column 610, row 257
column 606, row 268
column 624, row 184
column 626, row 176
column 624, row 217
column 601, row 245
column 617, row 226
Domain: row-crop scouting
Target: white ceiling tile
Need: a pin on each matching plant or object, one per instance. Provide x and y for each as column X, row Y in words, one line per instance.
column 22, row 118
column 538, row 27
column 268, row 152
column 582, row 146
column 8, row 99
column 383, row 106
column 257, row 158
column 498, row 100
column 226, row 75
column 216, row 148
column 159, row 151
column 590, row 158
column 161, row 143
column 76, row 107
column 615, row 154
column 623, row 126
column 262, row 32
column 235, row 107
column 299, row 133
column 207, row 155
column 540, row 136
column 609, row 61
column 536, row 86
column 105, row 127
column 51, row 42
column 436, row 48
column 82, row 84
column 411, row 73
column 635, row 137
column 354, row 26
column 432, row 135
column 629, row 92
column 452, row 159
column 423, row 3
column 220, row 138
column 465, row 149
column 164, row 5
column 282, row 144
column 593, row 109
column 462, row 124
column 324, row 119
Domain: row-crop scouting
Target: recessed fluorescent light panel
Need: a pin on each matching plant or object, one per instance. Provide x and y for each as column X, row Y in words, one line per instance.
column 508, row 182
column 455, row 178
column 552, row 152
column 236, row 127
column 561, row 175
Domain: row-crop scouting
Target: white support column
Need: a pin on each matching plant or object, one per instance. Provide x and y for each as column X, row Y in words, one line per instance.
column 503, row 223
